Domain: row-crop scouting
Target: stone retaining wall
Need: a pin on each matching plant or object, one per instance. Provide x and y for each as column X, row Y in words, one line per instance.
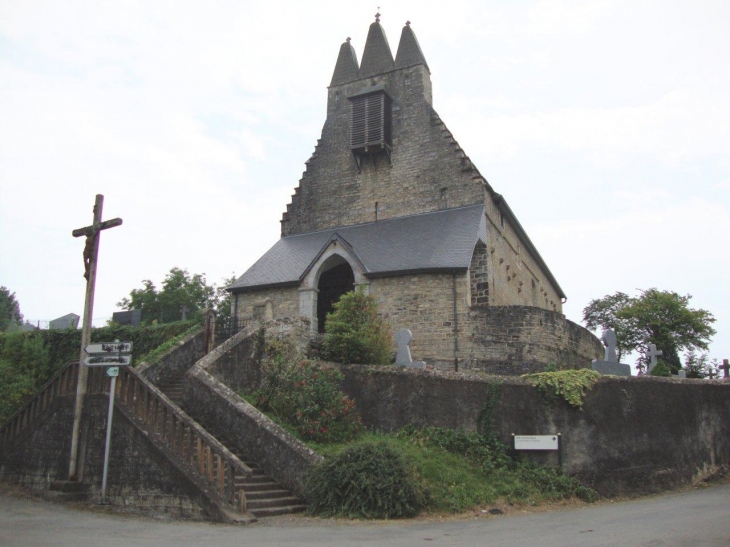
column 634, row 435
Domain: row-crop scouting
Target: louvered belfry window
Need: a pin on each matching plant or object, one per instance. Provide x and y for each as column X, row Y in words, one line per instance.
column 370, row 121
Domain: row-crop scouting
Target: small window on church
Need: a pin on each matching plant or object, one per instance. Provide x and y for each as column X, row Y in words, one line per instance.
column 444, row 198
column 501, row 220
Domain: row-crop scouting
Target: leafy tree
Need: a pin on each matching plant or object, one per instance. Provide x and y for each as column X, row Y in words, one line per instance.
column 603, row 313
column 9, row 309
column 695, row 365
column 224, row 309
column 355, row 333
column 663, row 318
column 179, row 289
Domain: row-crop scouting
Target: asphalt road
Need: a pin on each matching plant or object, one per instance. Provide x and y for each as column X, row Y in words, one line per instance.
column 697, row 518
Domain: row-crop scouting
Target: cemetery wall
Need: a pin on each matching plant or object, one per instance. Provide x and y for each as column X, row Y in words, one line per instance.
column 140, row 478
column 633, row 436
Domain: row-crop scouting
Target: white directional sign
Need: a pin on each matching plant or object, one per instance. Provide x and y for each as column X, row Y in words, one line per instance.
column 109, row 360
column 109, row 347
column 112, row 372
column 536, row 442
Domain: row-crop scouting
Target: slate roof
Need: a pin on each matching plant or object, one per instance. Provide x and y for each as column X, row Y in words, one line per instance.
column 441, row 240
column 376, row 57
column 409, row 51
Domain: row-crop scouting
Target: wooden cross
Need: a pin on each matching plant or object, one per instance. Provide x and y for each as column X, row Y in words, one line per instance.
column 91, row 257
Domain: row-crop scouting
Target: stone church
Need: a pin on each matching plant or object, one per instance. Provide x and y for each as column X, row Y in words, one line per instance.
column 390, row 202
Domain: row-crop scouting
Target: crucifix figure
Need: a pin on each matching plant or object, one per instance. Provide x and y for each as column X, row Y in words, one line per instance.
column 91, row 255
column 652, row 354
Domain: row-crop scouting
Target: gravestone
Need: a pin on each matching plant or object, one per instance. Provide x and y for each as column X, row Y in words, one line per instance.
column 610, row 364
column 652, row 354
column 403, row 357
column 725, row 368
column 131, row 318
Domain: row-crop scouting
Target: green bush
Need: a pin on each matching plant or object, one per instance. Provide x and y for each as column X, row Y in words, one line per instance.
column 355, row 333
column 305, row 395
column 661, row 370
column 369, row 480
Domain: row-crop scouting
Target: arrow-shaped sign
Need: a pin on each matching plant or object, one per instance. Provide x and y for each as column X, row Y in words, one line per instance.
column 108, row 361
column 109, row 347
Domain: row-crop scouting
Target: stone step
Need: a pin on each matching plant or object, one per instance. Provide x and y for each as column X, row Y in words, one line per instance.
column 67, row 486
column 55, row 495
column 260, row 487
column 275, row 511
column 269, row 503
column 267, row 494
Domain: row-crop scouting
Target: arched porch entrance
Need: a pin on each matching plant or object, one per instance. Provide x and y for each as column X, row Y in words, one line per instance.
column 335, row 279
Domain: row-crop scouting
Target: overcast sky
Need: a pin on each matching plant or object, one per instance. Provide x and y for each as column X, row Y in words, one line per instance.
column 606, row 126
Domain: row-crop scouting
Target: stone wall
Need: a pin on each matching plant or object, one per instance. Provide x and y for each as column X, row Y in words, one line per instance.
column 634, row 435
column 491, row 338
column 281, row 455
column 141, row 478
column 267, row 304
column 428, row 167
column 520, row 339
column 494, row 339
column 176, row 360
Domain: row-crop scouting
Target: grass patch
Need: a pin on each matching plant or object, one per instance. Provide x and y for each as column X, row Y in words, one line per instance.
column 449, row 467
column 156, row 354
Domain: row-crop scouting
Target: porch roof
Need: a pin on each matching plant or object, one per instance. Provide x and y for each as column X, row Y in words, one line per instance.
column 437, row 241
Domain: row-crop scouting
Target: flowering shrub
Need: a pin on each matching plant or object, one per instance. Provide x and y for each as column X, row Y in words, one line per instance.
column 316, row 406
column 306, row 395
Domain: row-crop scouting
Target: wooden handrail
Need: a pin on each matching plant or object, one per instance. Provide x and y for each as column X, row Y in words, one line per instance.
column 197, row 449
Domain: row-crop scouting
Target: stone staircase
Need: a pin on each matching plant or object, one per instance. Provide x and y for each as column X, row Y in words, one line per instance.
column 264, row 496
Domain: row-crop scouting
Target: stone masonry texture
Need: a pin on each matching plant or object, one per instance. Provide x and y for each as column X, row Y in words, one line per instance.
column 508, row 305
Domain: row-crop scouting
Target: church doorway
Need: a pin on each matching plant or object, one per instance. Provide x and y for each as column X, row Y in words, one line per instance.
column 333, row 283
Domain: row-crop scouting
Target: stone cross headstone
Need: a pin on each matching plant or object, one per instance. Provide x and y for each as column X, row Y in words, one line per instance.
column 711, row 374
column 609, row 340
column 403, row 357
column 652, row 354
column 184, row 310
column 726, row 368
column 610, row 364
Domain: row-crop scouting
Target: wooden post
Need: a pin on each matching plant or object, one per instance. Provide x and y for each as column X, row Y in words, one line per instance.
column 91, row 256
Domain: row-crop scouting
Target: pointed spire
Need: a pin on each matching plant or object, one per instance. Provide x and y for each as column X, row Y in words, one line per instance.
column 409, row 52
column 346, row 68
column 376, row 58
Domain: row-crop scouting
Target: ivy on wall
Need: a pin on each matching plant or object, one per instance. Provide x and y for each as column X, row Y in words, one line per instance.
column 571, row 385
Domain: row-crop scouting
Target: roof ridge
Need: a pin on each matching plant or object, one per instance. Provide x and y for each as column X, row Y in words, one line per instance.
column 335, row 228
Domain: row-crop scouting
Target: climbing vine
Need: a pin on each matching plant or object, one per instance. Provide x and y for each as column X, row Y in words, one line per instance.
column 571, row 385
column 485, row 418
